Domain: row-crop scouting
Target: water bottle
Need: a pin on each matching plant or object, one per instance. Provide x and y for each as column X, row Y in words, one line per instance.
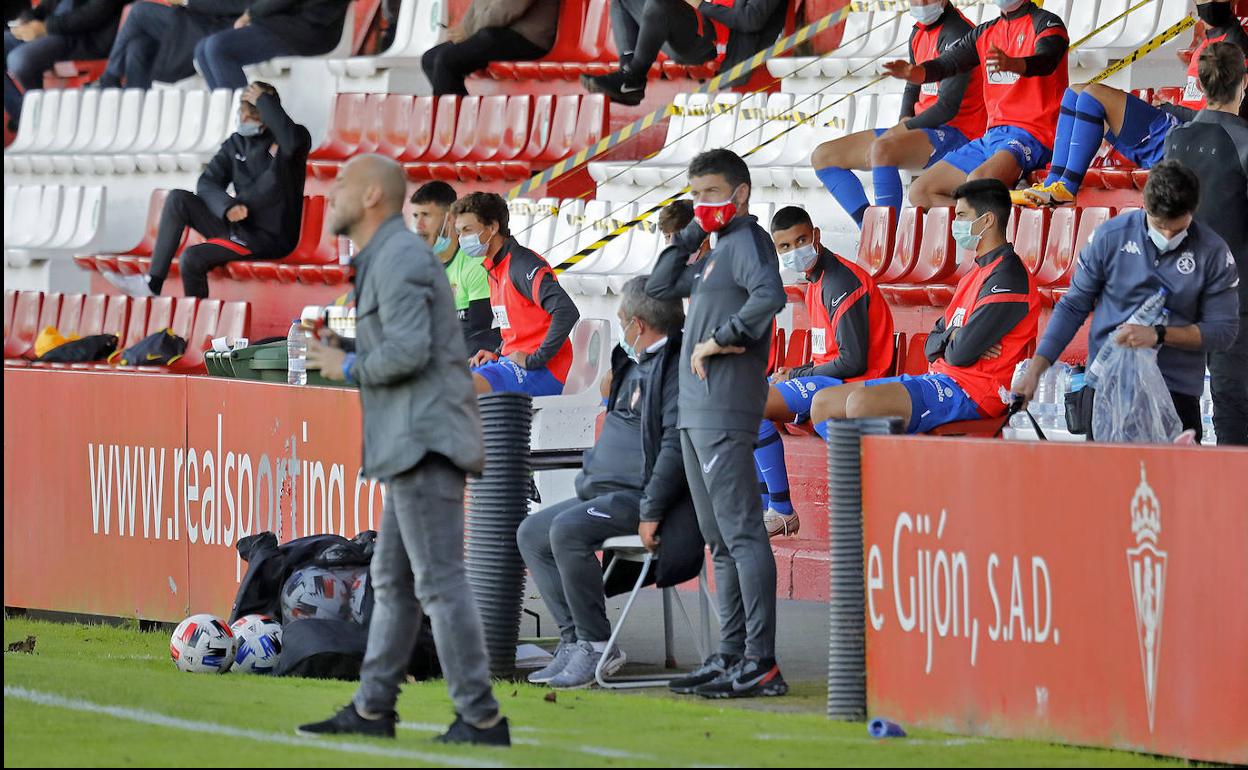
column 297, row 354
column 1061, row 383
column 1150, row 313
column 1042, row 405
column 1019, row 420
column 1206, row 413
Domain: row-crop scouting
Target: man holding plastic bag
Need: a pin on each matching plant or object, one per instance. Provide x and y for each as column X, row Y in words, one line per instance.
column 1164, row 289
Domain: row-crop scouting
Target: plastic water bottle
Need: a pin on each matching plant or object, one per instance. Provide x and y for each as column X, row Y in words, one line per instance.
column 1042, row 406
column 1150, row 313
column 1206, row 413
column 1055, row 414
column 1019, row 420
column 297, row 354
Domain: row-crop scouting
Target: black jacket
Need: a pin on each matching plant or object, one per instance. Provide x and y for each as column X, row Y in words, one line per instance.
column 192, row 23
column 270, row 185
column 666, row 495
column 753, row 25
column 310, row 27
column 92, row 26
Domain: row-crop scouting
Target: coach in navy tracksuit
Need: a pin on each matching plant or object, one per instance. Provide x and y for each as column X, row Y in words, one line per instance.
column 1129, row 259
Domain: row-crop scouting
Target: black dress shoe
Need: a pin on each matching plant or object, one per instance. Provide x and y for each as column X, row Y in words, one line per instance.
column 349, row 722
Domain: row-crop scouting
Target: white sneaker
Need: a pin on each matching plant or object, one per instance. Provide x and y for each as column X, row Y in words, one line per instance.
column 132, row 285
column 579, row 672
column 563, row 653
column 781, row 523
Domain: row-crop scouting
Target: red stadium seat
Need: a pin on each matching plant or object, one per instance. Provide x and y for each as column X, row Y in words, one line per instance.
column 199, row 337
column 155, row 206
column 1060, row 248
column 582, row 47
column 1090, row 218
column 915, row 362
column 1139, row 178
column 374, row 121
column 116, row 313
column 905, row 245
column 420, row 129
column 798, row 349
column 986, row 428
column 394, row 123
column 235, row 320
column 899, row 354
column 1011, row 225
column 879, row 224
column 775, row 354
column 567, row 47
column 92, row 319
column 513, row 135
column 10, row 301
column 563, row 128
column 441, row 139
column 936, row 260
column 19, row 336
column 346, row 128
column 137, row 328
column 1033, row 225
column 71, row 314
column 50, row 310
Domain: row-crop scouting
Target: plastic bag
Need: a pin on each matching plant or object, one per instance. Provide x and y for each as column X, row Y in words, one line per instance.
column 1133, row 404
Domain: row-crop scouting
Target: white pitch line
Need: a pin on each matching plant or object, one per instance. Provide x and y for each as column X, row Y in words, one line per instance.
column 210, row 728
column 597, row 751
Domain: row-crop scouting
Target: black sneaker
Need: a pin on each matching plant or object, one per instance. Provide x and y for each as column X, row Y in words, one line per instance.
column 713, row 668
column 618, row 86
column 752, row 679
column 348, row 721
column 462, row 732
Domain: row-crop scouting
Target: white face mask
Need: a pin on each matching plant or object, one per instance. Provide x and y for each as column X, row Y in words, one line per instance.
column 1163, row 245
column 1010, row 6
column 926, row 14
column 801, row 259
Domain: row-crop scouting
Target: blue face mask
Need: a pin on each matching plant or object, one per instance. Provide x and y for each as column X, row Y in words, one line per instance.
column 472, row 246
column 440, row 244
column 247, row 128
column 1162, row 244
column 926, row 14
column 1010, row 6
column 962, row 235
column 627, row 347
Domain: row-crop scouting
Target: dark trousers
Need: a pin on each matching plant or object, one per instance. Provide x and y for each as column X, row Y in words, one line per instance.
column 25, row 64
column 185, row 209
column 644, row 27
column 1188, row 408
column 222, row 56
column 1229, row 387
column 137, row 45
column 558, row 545
column 447, row 64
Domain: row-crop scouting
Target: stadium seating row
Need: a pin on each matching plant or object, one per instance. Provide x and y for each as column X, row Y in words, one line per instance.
column 120, row 131
column 473, row 138
column 198, row 321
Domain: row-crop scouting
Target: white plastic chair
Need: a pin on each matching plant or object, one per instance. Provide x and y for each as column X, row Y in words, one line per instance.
column 567, row 225
column 629, row 548
column 540, row 230
column 280, row 65
column 218, row 125
column 66, row 219
column 35, row 108
column 137, row 127
column 168, row 127
column 191, row 129
column 108, row 116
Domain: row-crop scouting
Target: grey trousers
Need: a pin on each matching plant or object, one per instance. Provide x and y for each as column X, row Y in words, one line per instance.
column 419, row 562
column 719, row 466
column 558, row 545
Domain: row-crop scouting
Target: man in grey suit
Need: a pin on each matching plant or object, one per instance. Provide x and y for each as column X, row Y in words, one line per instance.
column 422, row 434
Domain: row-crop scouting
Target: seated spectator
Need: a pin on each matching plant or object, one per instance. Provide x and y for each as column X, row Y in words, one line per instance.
column 1127, row 261
column 264, row 161
column 936, row 119
column 491, row 30
column 973, row 348
column 630, row 479
column 851, row 339
column 469, row 282
column 532, row 311
column 266, row 30
column 157, row 41
column 54, row 31
column 690, row 32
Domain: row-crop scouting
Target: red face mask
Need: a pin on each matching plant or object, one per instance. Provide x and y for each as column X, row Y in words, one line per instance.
column 712, row 217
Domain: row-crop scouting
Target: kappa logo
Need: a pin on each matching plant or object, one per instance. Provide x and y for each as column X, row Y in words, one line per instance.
column 1131, row 247
column 1146, row 566
column 1186, row 264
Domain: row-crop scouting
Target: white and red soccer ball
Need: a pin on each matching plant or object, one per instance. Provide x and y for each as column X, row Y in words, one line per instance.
column 203, row 644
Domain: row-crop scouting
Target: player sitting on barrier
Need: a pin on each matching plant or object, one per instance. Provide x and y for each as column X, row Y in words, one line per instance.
column 690, row 32
column 936, row 119
column 1023, row 54
column 531, row 309
column 851, row 338
column 987, row 329
column 1135, row 128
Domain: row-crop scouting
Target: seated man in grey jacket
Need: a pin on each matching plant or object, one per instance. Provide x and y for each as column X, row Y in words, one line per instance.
column 631, row 478
column 491, row 30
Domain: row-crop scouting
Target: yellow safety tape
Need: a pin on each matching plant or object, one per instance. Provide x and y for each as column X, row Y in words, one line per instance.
column 1157, row 42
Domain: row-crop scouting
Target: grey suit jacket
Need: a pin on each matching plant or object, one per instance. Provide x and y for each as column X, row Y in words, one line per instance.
column 411, row 363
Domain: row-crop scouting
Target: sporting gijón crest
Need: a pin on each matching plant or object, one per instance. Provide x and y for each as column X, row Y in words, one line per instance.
column 1146, row 564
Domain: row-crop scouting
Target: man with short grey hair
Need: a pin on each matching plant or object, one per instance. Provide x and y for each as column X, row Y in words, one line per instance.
column 422, row 434
column 631, row 478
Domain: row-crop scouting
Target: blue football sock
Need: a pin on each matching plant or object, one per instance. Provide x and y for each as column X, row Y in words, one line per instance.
column 1085, row 140
column 822, row 429
column 764, row 497
column 848, row 191
column 887, row 186
column 1061, row 143
column 769, row 459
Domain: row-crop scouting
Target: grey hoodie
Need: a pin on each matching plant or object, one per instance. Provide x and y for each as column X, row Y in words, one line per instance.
column 735, row 292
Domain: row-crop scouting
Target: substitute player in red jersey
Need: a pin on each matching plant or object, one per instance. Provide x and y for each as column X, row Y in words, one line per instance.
column 936, row 119
column 531, row 309
column 1024, row 53
column 851, row 338
column 987, row 329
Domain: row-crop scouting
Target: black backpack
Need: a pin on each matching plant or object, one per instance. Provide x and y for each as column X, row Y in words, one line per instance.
column 159, row 349
column 96, row 347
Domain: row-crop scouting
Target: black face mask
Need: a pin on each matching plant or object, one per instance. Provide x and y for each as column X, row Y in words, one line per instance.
column 1215, row 14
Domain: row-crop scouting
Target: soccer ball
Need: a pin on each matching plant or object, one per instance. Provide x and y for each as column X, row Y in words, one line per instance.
column 259, row 644
column 359, row 590
column 313, row 592
column 203, row 644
